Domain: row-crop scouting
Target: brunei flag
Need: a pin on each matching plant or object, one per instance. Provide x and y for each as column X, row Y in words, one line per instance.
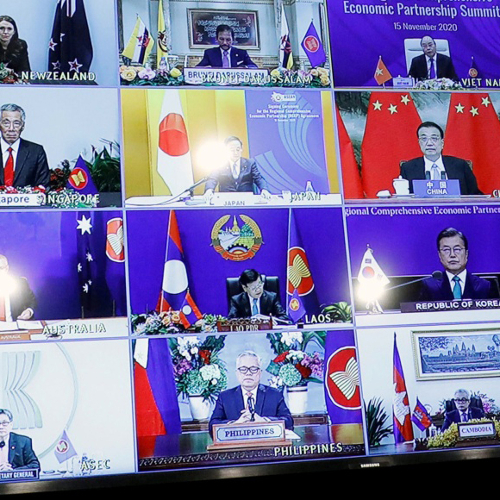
column 140, row 43
column 175, row 294
column 161, row 46
column 285, row 45
column 174, row 157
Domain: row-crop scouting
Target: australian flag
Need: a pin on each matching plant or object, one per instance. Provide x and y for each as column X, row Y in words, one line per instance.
column 86, row 261
column 70, row 48
column 175, row 294
column 313, row 47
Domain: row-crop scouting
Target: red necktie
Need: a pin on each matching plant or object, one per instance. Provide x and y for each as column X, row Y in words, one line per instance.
column 8, row 172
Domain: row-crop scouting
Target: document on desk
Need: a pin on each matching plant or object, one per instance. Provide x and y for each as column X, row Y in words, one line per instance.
column 8, row 326
column 29, row 325
column 292, row 436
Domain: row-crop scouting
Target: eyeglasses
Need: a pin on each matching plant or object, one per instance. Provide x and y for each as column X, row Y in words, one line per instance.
column 456, row 250
column 5, row 423
column 433, row 138
column 255, row 287
column 461, row 400
column 249, row 369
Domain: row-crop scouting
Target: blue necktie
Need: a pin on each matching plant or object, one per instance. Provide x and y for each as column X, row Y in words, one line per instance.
column 432, row 71
column 457, row 289
column 255, row 309
column 465, row 417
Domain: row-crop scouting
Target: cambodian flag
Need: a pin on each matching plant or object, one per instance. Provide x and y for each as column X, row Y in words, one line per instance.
column 421, row 417
column 175, row 294
column 403, row 430
column 313, row 47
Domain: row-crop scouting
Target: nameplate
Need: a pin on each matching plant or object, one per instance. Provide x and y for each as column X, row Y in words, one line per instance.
column 19, row 475
column 467, row 430
column 436, row 189
column 249, row 432
column 305, row 197
column 22, row 200
column 226, row 76
column 244, row 325
column 450, row 305
column 401, row 82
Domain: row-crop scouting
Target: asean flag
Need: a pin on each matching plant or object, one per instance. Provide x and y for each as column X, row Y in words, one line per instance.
column 175, row 288
column 403, row 430
column 80, row 179
column 174, row 157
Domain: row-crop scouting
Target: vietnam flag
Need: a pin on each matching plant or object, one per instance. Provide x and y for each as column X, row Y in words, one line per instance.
column 175, row 293
column 353, row 187
column 174, row 158
column 390, row 137
column 382, row 74
column 473, row 133
column 403, row 430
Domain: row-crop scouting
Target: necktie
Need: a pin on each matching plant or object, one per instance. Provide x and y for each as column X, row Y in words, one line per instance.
column 465, row 417
column 225, row 59
column 235, row 170
column 457, row 289
column 255, row 309
column 435, row 172
column 8, row 173
column 432, row 71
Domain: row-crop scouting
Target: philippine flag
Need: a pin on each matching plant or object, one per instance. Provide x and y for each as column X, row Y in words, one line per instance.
column 175, row 288
column 174, row 158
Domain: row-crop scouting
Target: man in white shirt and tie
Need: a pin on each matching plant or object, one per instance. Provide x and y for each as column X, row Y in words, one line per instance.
column 464, row 412
column 434, row 166
column 456, row 283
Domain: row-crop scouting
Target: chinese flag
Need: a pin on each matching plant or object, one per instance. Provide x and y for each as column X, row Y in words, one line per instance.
column 350, row 172
column 382, row 74
column 390, row 137
column 473, row 133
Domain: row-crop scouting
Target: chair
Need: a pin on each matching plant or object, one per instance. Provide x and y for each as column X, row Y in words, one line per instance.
column 413, row 49
column 475, row 402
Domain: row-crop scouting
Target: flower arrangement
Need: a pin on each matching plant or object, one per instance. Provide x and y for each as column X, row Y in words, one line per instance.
column 438, row 84
column 292, row 366
column 8, row 75
column 139, row 75
column 198, row 370
column 154, row 323
column 449, row 437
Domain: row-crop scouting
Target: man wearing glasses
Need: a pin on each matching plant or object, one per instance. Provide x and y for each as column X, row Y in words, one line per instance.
column 250, row 401
column 434, row 166
column 24, row 163
column 456, row 283
column 16, row 451
column 254, row 300
column 464, row 411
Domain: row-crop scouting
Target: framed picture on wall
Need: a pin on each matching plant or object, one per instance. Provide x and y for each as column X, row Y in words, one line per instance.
column 202, row 27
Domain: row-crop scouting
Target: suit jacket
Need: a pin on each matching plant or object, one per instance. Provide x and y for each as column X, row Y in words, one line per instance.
column 249, row 175
column 21, row 454
column 440, row 289
column 31, row 168
column 445, row 68
column 269, row 306
column 270, row 403
column 21, row 298
column 239, row 58
column 16, row 57
column 455, row 168
column 454, row 416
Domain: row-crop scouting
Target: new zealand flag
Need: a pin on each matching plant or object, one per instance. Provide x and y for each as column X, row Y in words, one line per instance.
column 70, row 48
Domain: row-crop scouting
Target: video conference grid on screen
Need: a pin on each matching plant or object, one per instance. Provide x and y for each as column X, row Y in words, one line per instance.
column 242, row 265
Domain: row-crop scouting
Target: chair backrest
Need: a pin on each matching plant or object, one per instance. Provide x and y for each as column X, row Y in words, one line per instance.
column 233, row 287
column 413, row 49
column 475, row 402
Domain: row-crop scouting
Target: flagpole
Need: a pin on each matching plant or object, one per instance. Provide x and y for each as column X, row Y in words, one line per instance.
column 287, row 253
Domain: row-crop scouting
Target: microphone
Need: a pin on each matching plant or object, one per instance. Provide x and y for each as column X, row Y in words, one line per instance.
column 437, row 275
column 427, row 175
column 187, row 190
column 251, row 408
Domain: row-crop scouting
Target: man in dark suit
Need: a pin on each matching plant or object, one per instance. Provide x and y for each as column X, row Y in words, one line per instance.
column 434, row 166
column 456, row 283
column 225, row 55
column 17, row 301
column 16, row 451
column 430, row 64
column 23, row 163
column 238, row 174
column 464, row 411
column 250, row 401
column 254, row 300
